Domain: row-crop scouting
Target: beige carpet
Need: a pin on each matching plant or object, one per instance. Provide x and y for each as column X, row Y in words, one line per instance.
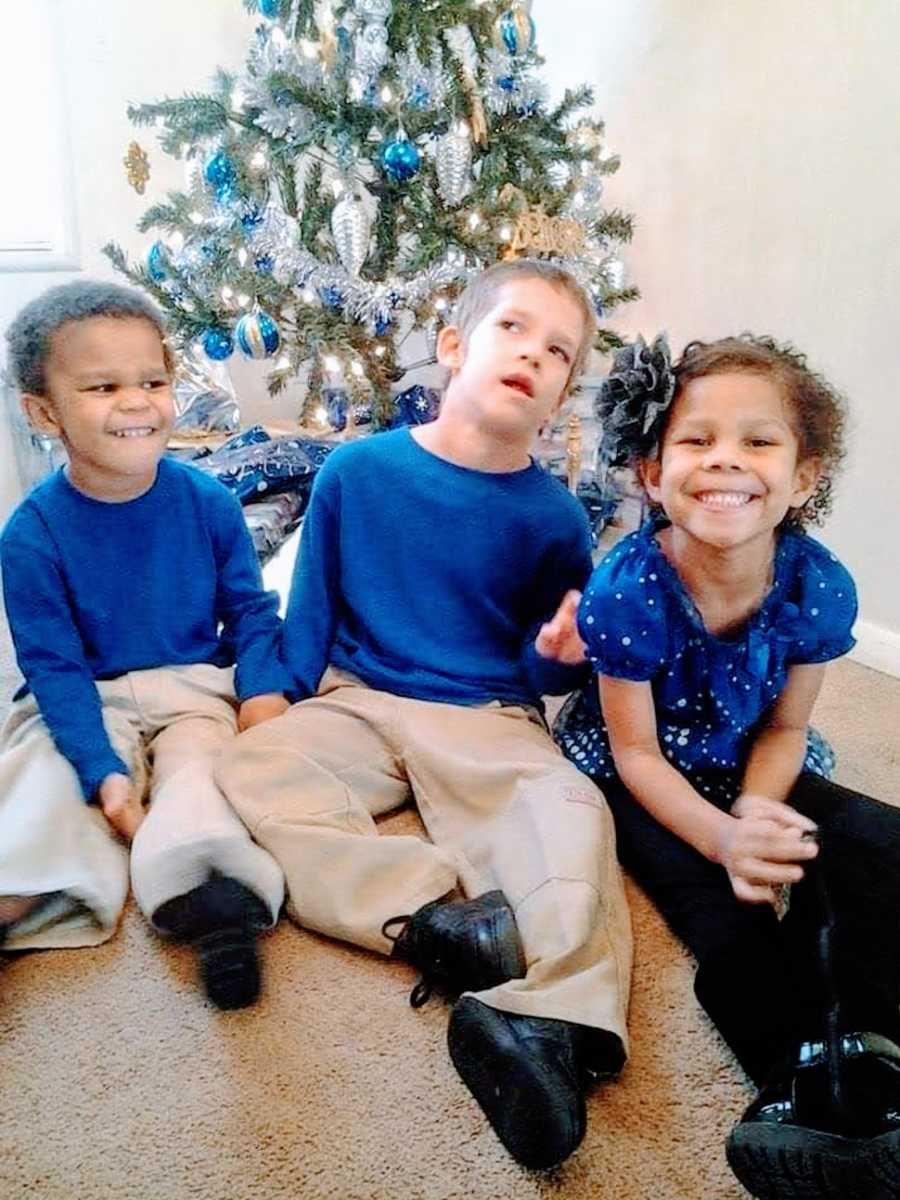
column 119, row 1081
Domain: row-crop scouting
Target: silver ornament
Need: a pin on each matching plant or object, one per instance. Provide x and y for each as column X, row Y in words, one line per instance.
column 452, row 160
column 374, row 10
column 370, row 50
column 350, row 228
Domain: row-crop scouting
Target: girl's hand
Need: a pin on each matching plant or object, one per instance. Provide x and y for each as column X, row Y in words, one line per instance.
column 559, row 638
column 120, row 805
column 763, row 846
column 261, row 708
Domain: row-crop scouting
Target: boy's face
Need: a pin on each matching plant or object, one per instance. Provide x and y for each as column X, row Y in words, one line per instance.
column 109, row 398
column 511, row 372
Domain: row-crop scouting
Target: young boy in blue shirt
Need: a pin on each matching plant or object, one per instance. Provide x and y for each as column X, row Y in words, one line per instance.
column 136, row 607
column 428, row 562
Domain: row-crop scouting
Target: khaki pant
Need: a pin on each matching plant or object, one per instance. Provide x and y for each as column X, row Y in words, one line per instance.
column 501, row 805
column 167, row 724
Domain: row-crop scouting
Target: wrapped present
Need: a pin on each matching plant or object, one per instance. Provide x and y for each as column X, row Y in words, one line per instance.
column 273, row 520
column 205, row 400
column 254, row 465
column 416, row 405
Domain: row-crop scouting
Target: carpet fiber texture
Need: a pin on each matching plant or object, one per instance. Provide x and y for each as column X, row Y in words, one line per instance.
column 120, row 1081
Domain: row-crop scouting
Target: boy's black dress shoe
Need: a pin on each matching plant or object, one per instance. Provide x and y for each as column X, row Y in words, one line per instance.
column 459, row 945
column 803, row 1138
column 527, row 1073
column 220, row 919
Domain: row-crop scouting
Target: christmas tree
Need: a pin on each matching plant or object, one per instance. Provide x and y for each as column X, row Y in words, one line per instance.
column 370, row 158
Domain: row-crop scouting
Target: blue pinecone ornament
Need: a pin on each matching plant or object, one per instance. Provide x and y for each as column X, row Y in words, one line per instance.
column 155, row 262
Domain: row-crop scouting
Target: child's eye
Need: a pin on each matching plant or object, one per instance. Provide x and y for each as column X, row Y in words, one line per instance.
column 103, row 388
column 756, row 442
column 507, row 324
column 563, row 353
column 693, row 441
column 152, row 384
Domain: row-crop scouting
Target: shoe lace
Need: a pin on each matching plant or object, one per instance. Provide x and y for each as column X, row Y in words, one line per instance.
column 423, row 990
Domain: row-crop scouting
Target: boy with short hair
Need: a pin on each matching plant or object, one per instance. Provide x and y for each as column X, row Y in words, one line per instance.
column 429, row 560
column 117, row 573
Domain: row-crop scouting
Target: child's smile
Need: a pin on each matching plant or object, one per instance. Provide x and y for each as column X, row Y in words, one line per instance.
column 729, row 470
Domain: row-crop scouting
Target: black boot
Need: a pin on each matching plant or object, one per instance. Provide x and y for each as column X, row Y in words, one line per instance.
column 829, row 1127
column 528, row 1075
column 220, row 919
column 460, row 945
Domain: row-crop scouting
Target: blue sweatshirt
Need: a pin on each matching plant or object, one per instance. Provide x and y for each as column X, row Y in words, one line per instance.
column 96, row 589
column 430, row 580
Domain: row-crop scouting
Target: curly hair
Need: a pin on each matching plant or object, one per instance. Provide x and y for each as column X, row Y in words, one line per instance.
column 819, row 409
column 30, row 335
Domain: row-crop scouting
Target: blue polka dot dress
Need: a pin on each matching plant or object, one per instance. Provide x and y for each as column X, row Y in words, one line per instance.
column 710, row 693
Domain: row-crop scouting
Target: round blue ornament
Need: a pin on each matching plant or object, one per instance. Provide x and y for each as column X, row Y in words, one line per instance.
column 383, row 324
column 218, row 344
column 257, row 335
column 155, row 262
column 269, row 8
column 265, row 264
column 219, row 170
column 400, row 159
column 515, row 31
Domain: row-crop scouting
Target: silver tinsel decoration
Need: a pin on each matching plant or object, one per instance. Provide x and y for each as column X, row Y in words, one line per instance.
column 350, row 228
column 370, row 49
column 453, row 160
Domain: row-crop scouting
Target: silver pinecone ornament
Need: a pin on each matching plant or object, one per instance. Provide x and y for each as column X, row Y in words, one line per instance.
column 350, row 228
column 453, row 160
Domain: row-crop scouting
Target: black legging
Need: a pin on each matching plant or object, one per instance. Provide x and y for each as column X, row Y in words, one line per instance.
column 759, row 978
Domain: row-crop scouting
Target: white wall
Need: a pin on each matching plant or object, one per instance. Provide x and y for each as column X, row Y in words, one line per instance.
column 760, row 157
column 115, row 55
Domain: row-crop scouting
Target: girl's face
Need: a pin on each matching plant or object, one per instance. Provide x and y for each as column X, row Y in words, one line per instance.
column 728, row 471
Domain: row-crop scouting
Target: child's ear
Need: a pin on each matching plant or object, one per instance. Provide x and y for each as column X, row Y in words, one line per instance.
column 41, row 414
column 451, row 349
column 806, row 475
column 649, row 471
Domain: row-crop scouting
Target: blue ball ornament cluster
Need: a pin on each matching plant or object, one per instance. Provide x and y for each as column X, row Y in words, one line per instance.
column 257, row 335
column 218, row 344
column 400, row 159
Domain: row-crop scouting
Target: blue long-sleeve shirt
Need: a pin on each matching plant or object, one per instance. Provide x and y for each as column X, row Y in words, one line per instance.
column 95, row 589
column 430, row 580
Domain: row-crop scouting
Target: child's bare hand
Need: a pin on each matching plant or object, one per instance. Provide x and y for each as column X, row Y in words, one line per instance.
column 764, row 846
column 559, row 637
column 261, row 708
column 120, row 805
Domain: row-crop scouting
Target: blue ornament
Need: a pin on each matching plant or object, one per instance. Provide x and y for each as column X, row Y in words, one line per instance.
column 265, row 264
column 598, row 304
column 219, row 170
column 218, row 344
column 400, row 159
column 269, row 8
column 507, row 83
column 383, row 324
column 336, row 400
column 251, row 218
column 155, row 262
column 515, row 31
column 418, row 97
column 226, row 193
column 257, row 335
column 332, row 297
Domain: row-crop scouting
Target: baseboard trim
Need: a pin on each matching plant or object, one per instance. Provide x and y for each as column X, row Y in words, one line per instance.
column 877, row 647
